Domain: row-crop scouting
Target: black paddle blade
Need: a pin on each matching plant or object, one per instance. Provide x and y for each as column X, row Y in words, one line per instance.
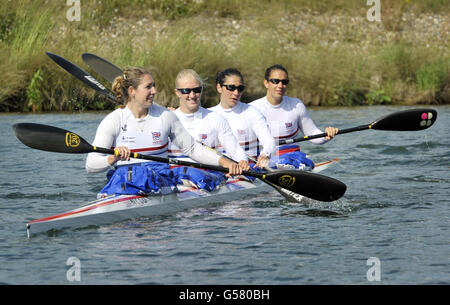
column 103, row 67
column 314, row 186
column 81, row 75
column 407, row 120
column 49, row 138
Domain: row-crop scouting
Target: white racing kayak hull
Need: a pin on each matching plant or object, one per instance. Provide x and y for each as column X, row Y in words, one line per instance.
column 116, row 208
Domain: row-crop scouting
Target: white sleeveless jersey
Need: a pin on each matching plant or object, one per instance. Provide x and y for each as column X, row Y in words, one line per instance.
column 288, row 118
column 249, row 127
column 147, row 136
column 210, row 129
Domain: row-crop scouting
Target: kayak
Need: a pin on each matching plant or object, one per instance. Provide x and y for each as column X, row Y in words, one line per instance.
column 116, row 208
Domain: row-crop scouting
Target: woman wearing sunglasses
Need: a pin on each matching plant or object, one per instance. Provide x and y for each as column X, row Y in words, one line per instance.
column 286, row 116
column 247, row 123
column 145, row 127
column 208, row 127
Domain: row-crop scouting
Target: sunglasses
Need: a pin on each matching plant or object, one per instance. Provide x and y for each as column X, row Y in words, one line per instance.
column 188, row 90
column 276, row 81
column 231, row 88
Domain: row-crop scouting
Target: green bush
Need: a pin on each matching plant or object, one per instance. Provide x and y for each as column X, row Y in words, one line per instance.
column 431, row 76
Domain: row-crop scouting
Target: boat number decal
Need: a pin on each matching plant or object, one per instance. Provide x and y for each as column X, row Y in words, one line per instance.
column 137, row 202
column 72, row 140
column 286, row 180
column 426, row 119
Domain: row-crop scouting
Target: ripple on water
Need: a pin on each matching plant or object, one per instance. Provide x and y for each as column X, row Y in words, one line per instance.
column 40, row 195
column 394, row 150
column 425, row 178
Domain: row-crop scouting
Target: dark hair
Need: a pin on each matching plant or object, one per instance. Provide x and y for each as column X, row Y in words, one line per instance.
column 273, row 68
column 221, row 75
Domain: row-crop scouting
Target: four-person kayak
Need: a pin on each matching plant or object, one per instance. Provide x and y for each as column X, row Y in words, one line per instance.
column 115, row 208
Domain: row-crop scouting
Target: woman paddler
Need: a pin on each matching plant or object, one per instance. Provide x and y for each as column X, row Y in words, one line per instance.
column 247, row 123
column 208, row 127
column 286, row 116
column 145, row 127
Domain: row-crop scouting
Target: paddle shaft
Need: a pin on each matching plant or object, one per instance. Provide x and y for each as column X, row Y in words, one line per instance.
column 406, row 120
column 322, row 135
column 176, row 161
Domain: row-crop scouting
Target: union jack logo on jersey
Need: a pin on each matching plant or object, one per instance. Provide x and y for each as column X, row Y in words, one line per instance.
column 156, row 135
column 288, row 124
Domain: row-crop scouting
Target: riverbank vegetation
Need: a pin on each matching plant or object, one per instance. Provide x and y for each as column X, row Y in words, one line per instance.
column 334, row 54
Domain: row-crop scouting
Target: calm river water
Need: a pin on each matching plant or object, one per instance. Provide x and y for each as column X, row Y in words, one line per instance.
column 395, row 213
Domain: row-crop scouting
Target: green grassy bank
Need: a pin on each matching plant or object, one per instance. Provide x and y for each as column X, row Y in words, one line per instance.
column 335, row 56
